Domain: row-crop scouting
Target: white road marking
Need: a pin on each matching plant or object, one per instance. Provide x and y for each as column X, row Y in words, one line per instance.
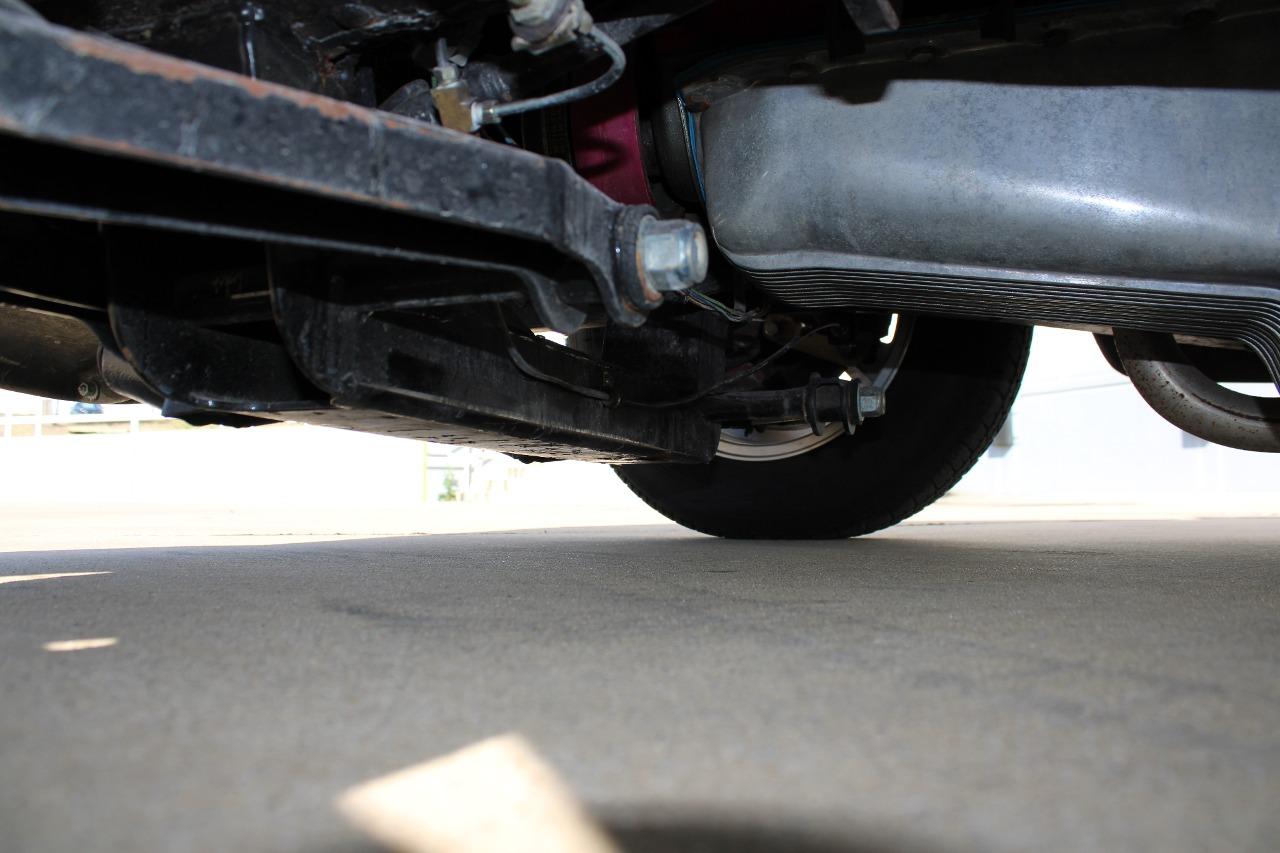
column 80, row 645
column 48, row 577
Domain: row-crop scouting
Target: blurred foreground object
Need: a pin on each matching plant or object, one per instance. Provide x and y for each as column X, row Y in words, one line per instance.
column 492, row 797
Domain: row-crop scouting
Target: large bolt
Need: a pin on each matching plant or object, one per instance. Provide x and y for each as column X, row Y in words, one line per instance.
column 870, row 401
column 672, row 253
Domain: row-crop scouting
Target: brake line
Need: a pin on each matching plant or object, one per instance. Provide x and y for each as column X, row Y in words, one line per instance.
column 494, row 113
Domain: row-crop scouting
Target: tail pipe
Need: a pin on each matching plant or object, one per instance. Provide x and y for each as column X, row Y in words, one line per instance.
column 1184, row 396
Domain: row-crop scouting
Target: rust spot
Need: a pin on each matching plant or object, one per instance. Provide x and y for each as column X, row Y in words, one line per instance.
column 88, row 51
column 134, row 58
column 147, row 62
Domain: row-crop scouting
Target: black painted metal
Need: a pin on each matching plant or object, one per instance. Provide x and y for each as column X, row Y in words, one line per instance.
column 334, row 340
column 449, row 377
column 627, row 21
column 51, row 181
column 823, row 400
column 98, row 131
column 30, row 363
column 187, row 317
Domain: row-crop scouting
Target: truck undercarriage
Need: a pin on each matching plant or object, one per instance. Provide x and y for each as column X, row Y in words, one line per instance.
column 813, row 237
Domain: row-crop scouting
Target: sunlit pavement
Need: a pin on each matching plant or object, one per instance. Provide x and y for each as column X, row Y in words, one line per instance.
column 602, row 502
column 1015, row 686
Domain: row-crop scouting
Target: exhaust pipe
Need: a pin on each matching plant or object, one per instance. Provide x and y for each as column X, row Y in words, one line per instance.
column 1185, row 397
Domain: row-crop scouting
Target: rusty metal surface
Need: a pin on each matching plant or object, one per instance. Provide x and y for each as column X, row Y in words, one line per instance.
column 91, row 93
column 1184, row 396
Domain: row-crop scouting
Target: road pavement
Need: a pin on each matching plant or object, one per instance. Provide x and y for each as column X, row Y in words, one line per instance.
column 953, row 687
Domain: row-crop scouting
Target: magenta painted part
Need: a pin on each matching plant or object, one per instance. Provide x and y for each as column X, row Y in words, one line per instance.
column 606, row 144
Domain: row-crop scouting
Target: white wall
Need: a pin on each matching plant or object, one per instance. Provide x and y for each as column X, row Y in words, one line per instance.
column 1081, row 433
column 1080, row 430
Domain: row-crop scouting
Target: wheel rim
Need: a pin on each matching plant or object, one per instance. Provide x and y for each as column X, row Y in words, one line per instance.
column 773, row 444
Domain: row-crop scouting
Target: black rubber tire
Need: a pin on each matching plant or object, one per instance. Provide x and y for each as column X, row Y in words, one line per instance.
column 944, row 408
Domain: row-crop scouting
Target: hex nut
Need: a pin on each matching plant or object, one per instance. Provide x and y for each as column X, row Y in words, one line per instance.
column 870, row 402
column 673, row 254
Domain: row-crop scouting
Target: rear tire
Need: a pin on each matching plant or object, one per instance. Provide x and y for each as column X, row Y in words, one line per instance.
column 944, row 408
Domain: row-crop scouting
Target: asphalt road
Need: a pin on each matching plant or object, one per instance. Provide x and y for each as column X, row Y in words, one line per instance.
column 1064, row 686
